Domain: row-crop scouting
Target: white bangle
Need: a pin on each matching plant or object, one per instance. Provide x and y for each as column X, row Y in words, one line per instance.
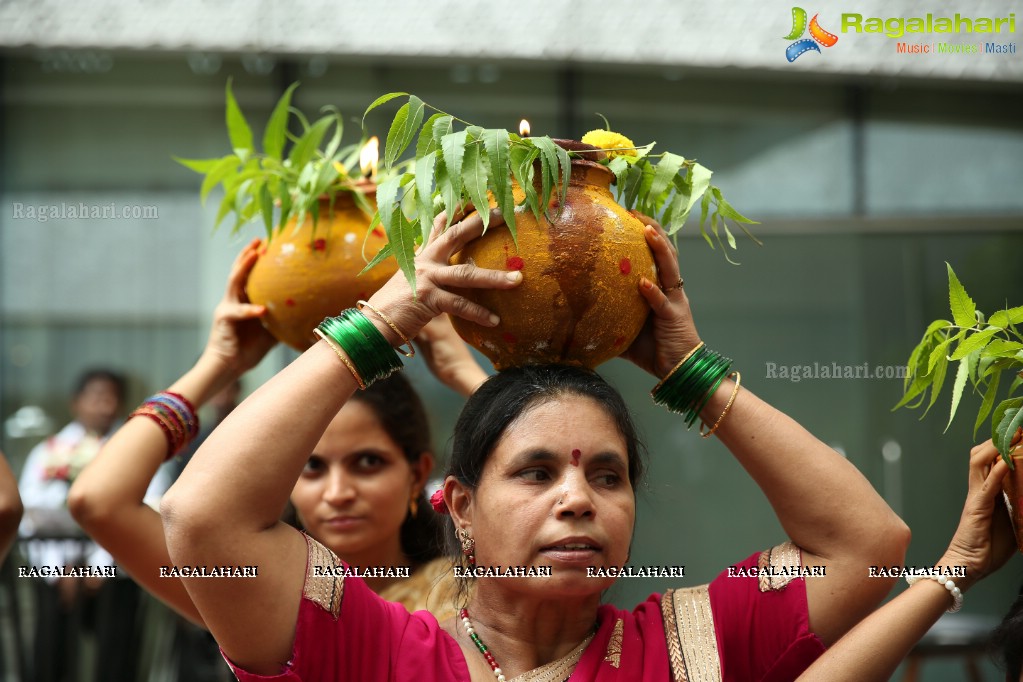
column 947, row 583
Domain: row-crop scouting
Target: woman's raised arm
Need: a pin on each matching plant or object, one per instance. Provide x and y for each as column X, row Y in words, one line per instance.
column 983, row 543
column 107, row 497
column 826, row 506
column 224, row 509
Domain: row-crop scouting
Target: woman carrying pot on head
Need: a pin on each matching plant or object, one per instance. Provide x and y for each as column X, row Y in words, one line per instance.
column 360, row 492
column 982, row 544
column 544, row 475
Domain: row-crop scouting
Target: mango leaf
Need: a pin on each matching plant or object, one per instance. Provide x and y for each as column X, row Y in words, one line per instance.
column 1003, row 318
column 474, row 177
column 548, row 168
column 964, row 310
column 400, row 233
column 728, row 211
column 1007, row 418
column 424, row 188
column 940, row 351
column 704, row 207
column 339, row 129
column 226, row 204
column 266, row 207
column 957, row 389
column 403, row 129
column 199, row 165
column 445, row 188
column 618, row 166
column 566, row 175
column 700, row 182
column 973, row 342
column 641, row 186
column 284, row 195
column 382, row 255
column 427, row 142
column 728, row 234
column 237, row 128
column 664, row 174
column 1002, row 348
column 522, row 158
column 382, row 99
column 497, row 142
column 938, row 381
column 273, row 134
column 308, row 143
column 453, row 148
column 987, row 403
column 441, row 127
column 225, row 166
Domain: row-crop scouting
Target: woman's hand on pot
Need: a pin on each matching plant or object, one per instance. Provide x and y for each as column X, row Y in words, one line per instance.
column 436, row 277
column 449, row 357
column 669, row 332
column 984, row 541
column 237, row 337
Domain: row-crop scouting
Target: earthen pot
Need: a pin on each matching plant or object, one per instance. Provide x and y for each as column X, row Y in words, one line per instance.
column 303, row 276
column 579, row 301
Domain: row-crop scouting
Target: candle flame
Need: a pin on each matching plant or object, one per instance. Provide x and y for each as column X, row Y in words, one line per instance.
column 369, row 156
column 524, row 128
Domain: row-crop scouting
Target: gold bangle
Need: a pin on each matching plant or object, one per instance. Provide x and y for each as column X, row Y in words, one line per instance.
column 728, row 406
column 348, row 363
column 675, row 368
column 390, row 323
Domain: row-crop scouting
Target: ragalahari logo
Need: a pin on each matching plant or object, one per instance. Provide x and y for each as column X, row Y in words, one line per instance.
column 817, row 35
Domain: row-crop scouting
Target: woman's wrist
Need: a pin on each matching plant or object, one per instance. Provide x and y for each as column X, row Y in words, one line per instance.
column 963, row 573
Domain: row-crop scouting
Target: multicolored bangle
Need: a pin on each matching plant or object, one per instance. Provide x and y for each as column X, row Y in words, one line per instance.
column 688, row 387
column 176, row 417
column 372, row 357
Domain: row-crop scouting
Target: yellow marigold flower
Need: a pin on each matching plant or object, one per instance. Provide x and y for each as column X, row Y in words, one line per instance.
column 606, row 139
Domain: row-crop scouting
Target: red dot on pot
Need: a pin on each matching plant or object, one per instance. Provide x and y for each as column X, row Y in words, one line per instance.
column 625, row 265
column 289, row 302
column 363, row 296
column 320, row 245
column 377, row 232
column 509, row 337
column 515, row 263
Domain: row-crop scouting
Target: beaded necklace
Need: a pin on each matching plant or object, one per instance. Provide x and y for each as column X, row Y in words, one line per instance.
column 494, row 667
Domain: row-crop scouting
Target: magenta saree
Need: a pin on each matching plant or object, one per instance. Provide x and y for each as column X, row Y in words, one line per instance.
column 741, row 629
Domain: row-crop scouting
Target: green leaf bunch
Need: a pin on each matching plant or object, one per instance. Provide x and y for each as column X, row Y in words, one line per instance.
column 270, row 184
column 981, row 349
column 457, row 164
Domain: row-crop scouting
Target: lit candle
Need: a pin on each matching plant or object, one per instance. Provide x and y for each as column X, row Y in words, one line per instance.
column 523, row 128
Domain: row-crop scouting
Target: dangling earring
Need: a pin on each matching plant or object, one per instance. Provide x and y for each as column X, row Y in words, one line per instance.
column 413, row 505
column 468, row 545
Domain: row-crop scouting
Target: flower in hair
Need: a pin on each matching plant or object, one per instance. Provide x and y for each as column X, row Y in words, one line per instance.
column 437, row 502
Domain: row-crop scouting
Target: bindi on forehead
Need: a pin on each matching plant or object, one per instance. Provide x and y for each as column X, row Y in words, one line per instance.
column 576, row 454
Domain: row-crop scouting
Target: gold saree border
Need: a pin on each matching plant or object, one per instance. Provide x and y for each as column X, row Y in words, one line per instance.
column 323, row 590
column 556, row 671
column 689, row 632
column 784, row 556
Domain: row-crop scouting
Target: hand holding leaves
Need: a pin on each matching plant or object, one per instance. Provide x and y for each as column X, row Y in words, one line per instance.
column 983, row 349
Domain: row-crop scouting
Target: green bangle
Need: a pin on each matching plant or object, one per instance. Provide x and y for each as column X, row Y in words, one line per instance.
column 706, row 398
column 363, row 343
column 688, row 389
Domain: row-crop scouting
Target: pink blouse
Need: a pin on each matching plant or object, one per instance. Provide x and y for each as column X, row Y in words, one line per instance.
column 736, row 628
